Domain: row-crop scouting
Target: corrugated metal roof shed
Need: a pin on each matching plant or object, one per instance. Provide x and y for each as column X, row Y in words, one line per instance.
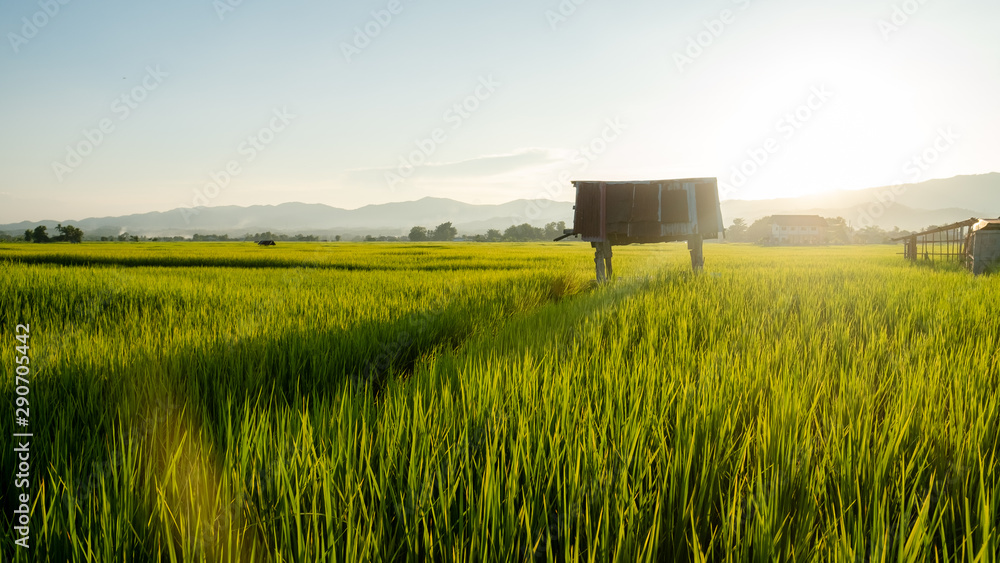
column 646, row 211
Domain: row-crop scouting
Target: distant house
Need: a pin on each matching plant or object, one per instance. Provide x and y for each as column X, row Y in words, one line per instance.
column 798, row 230
column 266, row 243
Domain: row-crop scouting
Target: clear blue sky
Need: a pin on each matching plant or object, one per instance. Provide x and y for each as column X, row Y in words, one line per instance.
column 881, row 92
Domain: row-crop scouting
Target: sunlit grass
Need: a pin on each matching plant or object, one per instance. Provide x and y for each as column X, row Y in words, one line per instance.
column 225, row 402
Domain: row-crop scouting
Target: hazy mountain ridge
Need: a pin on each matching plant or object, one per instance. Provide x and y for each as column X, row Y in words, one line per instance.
column 294, row 218
column 911, row 207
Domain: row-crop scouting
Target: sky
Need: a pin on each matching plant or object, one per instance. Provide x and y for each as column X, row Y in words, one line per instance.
column 116, row 107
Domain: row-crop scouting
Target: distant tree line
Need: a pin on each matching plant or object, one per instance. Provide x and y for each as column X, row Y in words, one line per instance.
column 838, row 232
column 515, row 233
column 257, row 237
column 524, row 233
column 443, row 232
column 125, row 237
column 69, row 233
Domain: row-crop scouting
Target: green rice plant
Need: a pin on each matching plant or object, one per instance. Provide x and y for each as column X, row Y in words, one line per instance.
column 488, row 402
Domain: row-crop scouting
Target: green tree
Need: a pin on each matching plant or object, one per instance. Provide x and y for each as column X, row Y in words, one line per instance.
column 69, row 233
column 445, row 231
column 554, row 230
column 418, row 234
column 871, row 235
column 838, row 231
column 523, row 233
column 337, row 238
column 27, row 235
column 40, row 234
column 493, row 235
column 738, row 231
column 760, row 231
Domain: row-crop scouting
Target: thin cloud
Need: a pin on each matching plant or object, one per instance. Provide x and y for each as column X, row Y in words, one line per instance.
column 519, row 161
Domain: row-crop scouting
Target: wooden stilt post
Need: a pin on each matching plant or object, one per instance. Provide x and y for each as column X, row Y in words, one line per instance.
column 607, row 260
column 599, row 260
column 697, row 255
column 602, row 260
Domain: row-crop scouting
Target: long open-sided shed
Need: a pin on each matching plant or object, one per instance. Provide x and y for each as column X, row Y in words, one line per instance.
column 974, row 243
column 621, row 213
column 942, row 243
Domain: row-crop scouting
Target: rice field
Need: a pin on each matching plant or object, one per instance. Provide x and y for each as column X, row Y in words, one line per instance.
column 480, row 402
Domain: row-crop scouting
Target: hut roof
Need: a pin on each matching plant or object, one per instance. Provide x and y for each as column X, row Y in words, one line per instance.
column 646, row 182
column 951, row 227
column 987, row 225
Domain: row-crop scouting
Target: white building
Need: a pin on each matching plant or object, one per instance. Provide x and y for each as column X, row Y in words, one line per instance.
column 798, row 230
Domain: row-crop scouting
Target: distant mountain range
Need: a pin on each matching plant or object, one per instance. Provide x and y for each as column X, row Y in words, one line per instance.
column 909, row 207
column 302, row 218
